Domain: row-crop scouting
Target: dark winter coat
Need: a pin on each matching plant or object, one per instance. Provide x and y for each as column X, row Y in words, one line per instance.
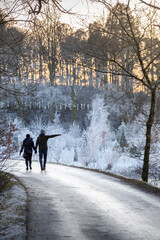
column 27, row 146
column 42, row 141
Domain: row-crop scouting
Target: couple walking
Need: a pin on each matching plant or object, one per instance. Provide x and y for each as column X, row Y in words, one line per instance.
column 28, row 146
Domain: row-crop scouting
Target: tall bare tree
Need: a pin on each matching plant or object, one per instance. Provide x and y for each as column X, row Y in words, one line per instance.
column 131, row 31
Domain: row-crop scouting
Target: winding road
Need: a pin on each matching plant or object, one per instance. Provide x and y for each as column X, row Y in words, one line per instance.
column 76, row 204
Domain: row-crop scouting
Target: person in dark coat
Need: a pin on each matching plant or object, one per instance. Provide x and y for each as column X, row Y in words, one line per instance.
column 27, row 147
column 42, row 143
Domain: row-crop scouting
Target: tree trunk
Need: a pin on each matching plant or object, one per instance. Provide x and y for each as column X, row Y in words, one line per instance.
column 52, row 107
column 148, row 136
column 74, row 108
column 74, row 99
column 20, row 108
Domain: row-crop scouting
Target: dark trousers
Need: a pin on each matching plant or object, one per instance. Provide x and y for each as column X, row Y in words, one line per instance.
column 43, row 154
column 28, row 160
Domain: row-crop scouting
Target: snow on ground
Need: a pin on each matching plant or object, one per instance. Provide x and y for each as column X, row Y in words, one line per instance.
column 13, row 213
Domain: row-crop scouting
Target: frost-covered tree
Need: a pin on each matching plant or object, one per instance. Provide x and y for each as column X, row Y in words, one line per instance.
column 8, row 146
column 97, row 138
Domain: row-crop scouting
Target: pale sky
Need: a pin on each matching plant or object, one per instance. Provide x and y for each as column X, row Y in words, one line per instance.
column 84, row 9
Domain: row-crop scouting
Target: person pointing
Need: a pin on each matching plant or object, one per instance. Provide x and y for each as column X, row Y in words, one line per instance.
column 42, row 144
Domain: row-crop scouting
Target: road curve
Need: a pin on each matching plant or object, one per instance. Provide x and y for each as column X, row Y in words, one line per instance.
column 76, row 204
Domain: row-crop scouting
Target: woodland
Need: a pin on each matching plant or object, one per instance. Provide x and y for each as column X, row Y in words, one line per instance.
column 50, row 70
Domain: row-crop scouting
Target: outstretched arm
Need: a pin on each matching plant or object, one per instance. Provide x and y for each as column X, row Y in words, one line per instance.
column 52, row 136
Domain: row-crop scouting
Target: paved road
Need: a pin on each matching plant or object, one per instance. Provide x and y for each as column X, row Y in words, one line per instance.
column 75, row 204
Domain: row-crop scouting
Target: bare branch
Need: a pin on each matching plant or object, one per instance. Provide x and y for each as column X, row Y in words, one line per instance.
column 150, row 5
